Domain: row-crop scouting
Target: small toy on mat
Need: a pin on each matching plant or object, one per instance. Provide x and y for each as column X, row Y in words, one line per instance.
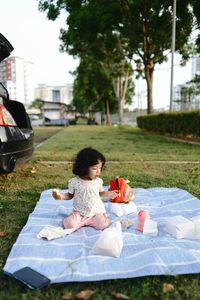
column 126, row 194
column 126, row 223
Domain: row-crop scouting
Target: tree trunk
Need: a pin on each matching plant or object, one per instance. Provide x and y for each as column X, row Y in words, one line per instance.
column 189, row 101
column 148, row 62
column 120, row 100
column 120, row 85
column 108, row 118
column 149, row 69
column 121, row 110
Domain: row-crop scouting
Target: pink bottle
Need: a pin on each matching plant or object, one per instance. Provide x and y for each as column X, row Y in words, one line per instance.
column 142, row 215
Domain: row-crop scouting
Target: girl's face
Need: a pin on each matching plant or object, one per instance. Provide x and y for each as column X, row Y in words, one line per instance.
column 95, row 171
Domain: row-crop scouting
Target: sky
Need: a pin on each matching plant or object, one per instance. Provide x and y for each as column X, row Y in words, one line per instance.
column 36, row 39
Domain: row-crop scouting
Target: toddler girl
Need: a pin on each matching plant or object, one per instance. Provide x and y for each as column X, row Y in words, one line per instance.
column 86, row 189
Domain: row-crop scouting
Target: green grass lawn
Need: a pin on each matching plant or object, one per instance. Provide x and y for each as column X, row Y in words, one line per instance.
column 117, row 143
column 138, row 155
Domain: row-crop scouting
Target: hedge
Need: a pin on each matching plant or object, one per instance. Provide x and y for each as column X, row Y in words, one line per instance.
column 176, row 123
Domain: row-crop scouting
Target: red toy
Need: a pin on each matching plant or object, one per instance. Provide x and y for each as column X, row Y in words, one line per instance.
column 125, row 192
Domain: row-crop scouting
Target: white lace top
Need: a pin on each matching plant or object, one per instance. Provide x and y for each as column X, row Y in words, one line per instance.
column 87, row 200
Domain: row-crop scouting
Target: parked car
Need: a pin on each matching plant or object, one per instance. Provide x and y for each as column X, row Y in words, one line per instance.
column 56, row 122
column 16, row 133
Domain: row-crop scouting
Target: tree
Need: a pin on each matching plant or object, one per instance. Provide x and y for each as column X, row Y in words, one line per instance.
column 82, row 39
column 37, row 103
column 115, row 62
column 147, row 26
column 196, row 10
column 93, row 89
column 143, row 28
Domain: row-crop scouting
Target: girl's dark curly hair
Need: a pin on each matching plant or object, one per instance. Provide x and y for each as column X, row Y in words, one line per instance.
column 86, row 158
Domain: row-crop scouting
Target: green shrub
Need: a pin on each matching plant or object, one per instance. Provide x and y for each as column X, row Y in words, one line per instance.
column 177, row 123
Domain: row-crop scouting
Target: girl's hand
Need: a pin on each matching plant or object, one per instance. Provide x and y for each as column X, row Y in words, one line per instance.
column 113, row 194
column 56, row 194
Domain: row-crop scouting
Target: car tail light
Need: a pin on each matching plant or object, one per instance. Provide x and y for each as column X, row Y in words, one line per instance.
column 5, row 117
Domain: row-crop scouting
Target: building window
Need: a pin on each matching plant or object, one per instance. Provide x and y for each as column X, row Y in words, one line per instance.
column 56, row 95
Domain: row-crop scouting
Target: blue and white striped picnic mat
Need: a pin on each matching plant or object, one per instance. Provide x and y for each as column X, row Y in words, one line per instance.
column 69, row 258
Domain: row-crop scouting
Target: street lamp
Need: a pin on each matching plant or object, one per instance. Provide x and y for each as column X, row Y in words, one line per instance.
column 173, row 51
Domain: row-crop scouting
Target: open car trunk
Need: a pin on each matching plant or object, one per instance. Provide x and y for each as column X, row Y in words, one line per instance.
column 18, row 113
column 16, row 133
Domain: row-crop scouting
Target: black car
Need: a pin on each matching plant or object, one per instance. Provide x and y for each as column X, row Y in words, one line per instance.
column 16, row 133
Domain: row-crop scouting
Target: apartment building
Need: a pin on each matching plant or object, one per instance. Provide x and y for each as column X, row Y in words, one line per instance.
column 59, row 94
column 18, row 77
column 185, row 98
column 195, row 65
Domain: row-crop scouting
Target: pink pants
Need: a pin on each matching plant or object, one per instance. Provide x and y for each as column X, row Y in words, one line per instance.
column 75, row 220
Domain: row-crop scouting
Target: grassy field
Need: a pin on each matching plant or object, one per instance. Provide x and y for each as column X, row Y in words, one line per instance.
column 146, row 160
column 118, row 143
